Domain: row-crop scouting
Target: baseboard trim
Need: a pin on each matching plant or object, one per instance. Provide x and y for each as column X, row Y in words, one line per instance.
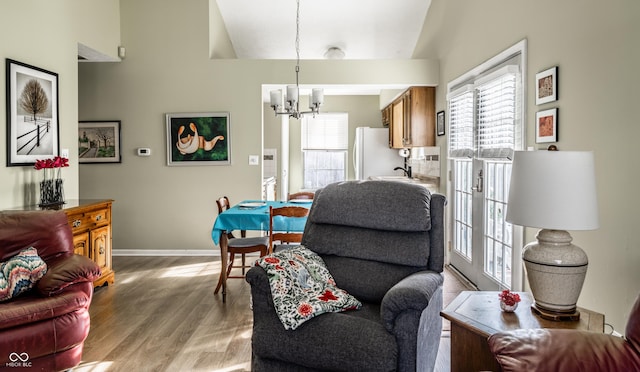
column 166, row 252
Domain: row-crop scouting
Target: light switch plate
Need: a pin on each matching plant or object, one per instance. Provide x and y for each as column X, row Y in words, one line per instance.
column 64, row 153
column 254, row 159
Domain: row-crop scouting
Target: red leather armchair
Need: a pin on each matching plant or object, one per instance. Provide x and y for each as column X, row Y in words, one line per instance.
column 45, row 328
column 569, row 350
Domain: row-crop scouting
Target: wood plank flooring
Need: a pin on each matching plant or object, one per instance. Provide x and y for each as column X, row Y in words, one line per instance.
column 162, row 315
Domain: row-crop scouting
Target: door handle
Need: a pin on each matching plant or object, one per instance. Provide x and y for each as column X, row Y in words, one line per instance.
column 479, row 182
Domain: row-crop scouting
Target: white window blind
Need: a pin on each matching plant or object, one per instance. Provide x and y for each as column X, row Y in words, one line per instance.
column 325, row 132
column 496, row 113
column 461, row 123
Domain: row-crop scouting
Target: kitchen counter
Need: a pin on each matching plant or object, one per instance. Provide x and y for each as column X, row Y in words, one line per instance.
column 432, row 184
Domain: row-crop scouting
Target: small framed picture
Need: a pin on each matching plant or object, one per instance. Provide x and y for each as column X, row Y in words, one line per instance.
column 547, row 86
column 440, row 123
column 99, row 141
column 33, row 129
column 547, row 126
column 198, row 139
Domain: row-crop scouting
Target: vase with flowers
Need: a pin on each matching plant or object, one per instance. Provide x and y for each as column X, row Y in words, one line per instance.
column 508, row 301
column 51, row 189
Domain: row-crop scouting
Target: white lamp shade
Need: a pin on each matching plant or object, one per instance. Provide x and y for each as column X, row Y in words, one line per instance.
column 276, row 98
column 292, row 94
column 317, row 97
column 553, row 190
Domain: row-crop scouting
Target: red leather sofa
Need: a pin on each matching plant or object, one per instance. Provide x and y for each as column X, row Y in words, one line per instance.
column 569, row 350
column 45, row 328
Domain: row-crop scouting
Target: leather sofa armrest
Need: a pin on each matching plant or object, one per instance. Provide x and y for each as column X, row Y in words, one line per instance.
column 66, row 271
column 412, row 293
column 562, row 350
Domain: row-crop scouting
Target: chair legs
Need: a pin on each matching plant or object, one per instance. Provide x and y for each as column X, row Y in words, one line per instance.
column 263, row 252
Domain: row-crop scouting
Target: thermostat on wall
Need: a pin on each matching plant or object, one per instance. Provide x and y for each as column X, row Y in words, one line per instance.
column 144, row 151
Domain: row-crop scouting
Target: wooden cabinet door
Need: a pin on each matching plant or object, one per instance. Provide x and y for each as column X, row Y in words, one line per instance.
column 396, row 129
column 101, row 247
column 81, row 244
column 421, row 124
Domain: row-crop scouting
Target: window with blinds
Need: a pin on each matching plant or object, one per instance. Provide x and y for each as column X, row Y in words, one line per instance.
column 325, row 141
column 461, row 123
column 483, row 116
column 496, row 113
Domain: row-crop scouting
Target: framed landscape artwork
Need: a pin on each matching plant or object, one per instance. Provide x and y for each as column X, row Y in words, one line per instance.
column 33, row 129
column 99, row 141
column 198, row 139
column 547, row 126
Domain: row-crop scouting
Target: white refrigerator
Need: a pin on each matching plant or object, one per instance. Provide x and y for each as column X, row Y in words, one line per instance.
column 372, row 155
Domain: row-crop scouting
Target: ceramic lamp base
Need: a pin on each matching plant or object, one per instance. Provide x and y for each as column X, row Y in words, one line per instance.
column 556, row 270
column 552, row 315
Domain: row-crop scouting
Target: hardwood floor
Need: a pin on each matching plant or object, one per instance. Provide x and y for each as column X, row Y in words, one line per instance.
column 162, row 315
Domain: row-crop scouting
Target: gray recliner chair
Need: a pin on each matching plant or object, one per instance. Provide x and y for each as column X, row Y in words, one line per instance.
column 383, row 242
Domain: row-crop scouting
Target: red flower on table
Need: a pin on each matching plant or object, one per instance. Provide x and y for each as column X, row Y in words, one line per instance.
column 271, row 260
column 327, row 296
column 509, row 298
column 305, row 309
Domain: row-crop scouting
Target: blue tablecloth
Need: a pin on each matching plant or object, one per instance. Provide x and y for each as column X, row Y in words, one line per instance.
column 239, row 218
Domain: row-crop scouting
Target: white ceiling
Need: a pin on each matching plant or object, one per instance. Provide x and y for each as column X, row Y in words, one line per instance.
column 363, row 29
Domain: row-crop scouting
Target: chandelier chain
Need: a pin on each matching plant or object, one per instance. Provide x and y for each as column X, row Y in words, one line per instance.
column 297, row 39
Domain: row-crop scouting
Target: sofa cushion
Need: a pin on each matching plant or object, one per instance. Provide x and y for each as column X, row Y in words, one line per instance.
column 302, row 287
column 20, row 273
column 309, row 348
column 32, row 307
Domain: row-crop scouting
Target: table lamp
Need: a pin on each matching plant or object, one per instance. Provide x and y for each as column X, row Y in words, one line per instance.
column 554, row 191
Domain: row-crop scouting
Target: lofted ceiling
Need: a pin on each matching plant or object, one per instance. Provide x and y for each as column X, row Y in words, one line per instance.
column 362, row 29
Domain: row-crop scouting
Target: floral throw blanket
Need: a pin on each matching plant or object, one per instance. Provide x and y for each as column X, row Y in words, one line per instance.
column 302, row 287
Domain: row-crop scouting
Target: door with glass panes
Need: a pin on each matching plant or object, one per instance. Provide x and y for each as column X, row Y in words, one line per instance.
column 485, row 126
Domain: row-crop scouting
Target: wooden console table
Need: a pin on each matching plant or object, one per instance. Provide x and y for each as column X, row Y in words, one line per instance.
column 476, row 315
column 90, row 221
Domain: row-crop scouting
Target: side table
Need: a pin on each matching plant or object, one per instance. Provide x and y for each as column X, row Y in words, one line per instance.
column 476, row 315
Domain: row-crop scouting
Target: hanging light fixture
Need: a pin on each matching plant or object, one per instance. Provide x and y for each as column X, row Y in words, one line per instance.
column 292, row 102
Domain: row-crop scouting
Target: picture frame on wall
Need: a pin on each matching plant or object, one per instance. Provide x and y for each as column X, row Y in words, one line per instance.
column 547, row 126
column 198, row 139
column 99, row 141
column 33, row 128
column 547, row 86
column 440, row 124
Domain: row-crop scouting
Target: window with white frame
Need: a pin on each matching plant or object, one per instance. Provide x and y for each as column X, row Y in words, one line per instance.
column 325, row 141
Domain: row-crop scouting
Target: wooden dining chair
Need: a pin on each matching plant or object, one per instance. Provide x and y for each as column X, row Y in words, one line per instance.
column 240, row 246
column 301, row 195
column 283, row 236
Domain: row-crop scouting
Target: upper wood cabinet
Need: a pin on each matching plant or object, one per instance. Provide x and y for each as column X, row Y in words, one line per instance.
column 412, row 118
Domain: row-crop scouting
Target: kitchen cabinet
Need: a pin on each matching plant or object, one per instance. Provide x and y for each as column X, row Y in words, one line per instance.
column 412, row 118
column 90, row 222
column 386, row 116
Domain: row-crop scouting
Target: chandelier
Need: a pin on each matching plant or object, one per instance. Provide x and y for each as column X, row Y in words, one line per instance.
column 292, row 102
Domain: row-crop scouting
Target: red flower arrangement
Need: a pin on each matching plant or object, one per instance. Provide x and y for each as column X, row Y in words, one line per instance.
column 57, row 162
column 509, row 298
column 51, row 192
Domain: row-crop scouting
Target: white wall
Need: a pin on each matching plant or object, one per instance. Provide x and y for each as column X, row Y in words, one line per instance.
column 595, row 46
column 45, row 34
column 168, row 69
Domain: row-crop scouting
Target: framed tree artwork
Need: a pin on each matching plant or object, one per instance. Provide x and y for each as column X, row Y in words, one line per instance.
column 33, row 131
column 198, row 139
column 99, row 141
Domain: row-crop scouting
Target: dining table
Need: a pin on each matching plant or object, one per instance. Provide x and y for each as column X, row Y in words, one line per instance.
column 252, row 215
